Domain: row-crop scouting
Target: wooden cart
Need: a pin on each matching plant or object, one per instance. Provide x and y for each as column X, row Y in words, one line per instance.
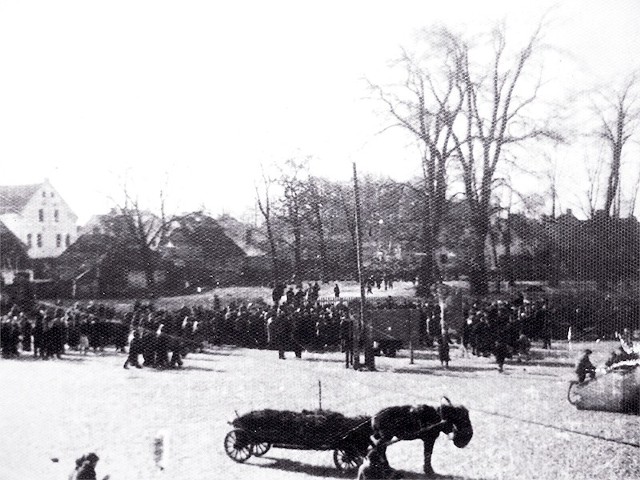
column 310, row 431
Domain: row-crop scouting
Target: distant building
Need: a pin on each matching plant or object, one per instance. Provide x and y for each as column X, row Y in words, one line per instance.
column 205, row 255
column 104, row 265
column 257, row 264
column 13, row 255
column 39, row 217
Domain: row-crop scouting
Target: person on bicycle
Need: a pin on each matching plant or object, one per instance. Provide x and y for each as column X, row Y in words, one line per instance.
column 584, row 367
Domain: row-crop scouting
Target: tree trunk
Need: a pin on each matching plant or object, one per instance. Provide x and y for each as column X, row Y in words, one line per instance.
column 149, row 271
column 478, row 270
column 428, row 269
column 614, row 174
column 508, row 261
column 321, row 243
column 274, row 254
column 297, row 250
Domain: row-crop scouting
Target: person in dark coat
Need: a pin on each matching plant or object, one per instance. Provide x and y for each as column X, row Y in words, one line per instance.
column 290, row 296
column 295, row 325
column 162, row 348
column 346, row 339
column 86, row 468
column 443, row 350
column 336, row 291
column 279, row 332
column 584, row 367
column 501, row 352
column 149, row 343
column 27, row 330
column 135, row 349
column 278, row 292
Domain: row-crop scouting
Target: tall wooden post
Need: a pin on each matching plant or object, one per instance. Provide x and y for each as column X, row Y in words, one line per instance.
column 365, row 321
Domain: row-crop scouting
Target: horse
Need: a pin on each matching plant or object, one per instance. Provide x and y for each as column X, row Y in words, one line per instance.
column 421, row 422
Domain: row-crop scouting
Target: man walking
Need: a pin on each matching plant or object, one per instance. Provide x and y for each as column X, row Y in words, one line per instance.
column 135, row 349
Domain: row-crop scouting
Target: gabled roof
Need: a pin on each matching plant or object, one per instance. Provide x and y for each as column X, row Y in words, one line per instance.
column 243, row 235
column 206, row 235
column 13, row 198
column 93, row 249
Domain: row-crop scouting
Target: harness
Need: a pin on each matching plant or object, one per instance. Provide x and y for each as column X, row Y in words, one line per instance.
column 441, row 423
column 423, row 429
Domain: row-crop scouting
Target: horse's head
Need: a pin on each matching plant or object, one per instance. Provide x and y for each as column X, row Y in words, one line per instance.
column 457, row 422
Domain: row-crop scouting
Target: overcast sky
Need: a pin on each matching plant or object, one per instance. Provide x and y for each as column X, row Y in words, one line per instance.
column 195, row 95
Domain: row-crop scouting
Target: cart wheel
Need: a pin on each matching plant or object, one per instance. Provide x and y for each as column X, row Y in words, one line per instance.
column 237, row 446
column 347, row 459
column 259, row 449
column 573, row 395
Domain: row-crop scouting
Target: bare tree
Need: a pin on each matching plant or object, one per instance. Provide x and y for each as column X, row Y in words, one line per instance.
column 143, row 229
column 315, row 196
column 264, row 205
column 618, row 115
column 294, row 181
column 634, row 196
column 427, row 105
column 497, row 105
column 594, row 171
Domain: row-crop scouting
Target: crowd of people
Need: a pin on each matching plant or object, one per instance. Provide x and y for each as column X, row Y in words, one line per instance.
column 162, row 337
column 46, row 331
column 297, row 320
column 505, row 328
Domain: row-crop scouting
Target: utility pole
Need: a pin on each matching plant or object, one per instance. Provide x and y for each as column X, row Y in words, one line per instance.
column 365, row 322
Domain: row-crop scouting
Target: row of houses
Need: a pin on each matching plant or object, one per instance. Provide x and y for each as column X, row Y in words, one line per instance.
column 39, row 235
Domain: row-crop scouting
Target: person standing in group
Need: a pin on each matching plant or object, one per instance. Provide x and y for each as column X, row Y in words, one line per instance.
column 279, row 332
column 443, row 350
column 26, row 331
column 500, row 351
column 346, row 339
column 277, row 293
column 135, row 349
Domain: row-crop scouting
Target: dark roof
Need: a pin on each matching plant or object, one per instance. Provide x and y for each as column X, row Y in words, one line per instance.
column 243, row 235
column 13, row 198
column 199, row 238
column 13, row 249
column 93, row 249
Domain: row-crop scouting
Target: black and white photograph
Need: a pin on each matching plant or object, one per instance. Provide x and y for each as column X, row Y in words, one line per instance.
column 357, row 239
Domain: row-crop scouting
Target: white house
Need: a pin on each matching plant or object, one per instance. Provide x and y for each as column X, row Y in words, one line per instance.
column 39, row 217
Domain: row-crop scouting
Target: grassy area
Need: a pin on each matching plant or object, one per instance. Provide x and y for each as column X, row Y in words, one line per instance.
column 263, row 294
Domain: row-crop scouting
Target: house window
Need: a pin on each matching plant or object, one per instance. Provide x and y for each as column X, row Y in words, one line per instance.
column 67, row 240
column 58, row 240
column 41, row 215
column 56, row 215
column 39, row 240
column 29, row 240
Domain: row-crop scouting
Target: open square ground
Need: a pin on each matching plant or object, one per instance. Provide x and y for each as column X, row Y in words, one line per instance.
column 524, row 426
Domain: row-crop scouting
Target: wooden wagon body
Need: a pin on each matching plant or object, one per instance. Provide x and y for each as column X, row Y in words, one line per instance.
column 258, row 431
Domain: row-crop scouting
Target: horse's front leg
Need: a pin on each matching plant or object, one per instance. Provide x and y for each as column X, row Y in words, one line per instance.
column 428, row 443
column 382, row 454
